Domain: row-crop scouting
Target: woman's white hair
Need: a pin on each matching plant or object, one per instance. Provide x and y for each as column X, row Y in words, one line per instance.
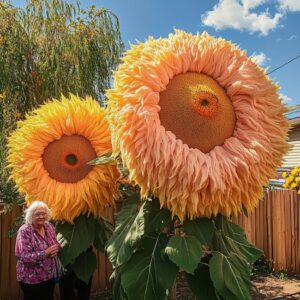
column 32, row 208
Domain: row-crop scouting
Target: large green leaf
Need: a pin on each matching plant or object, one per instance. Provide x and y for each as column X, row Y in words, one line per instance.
column 233, row 238
column 223, row 223
column 243, row 247
column 149, row 274
column 218, row 243
column 202, row 228
column 138, row 227
column 117, row 249
column 200, row 282
column 85, row 265
column 75, row 238
column 231, row 276
column 103, row 231
column 236, row 229
column 158, row 220
column 132, row 225
column 247, row 249
column 185, row 251
column 117, row 289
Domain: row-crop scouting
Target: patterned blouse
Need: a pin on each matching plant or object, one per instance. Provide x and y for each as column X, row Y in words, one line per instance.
column 33, row 266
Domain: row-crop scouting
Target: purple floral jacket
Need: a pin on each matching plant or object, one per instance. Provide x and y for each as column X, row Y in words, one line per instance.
column 33, row 266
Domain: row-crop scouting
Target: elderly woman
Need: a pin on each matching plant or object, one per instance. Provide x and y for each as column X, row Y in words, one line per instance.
column 36, row 252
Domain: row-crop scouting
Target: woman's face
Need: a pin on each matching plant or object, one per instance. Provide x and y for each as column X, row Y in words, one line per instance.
column 39, row 216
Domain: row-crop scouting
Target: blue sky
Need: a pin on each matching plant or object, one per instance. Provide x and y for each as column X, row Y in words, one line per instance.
column 267, row 29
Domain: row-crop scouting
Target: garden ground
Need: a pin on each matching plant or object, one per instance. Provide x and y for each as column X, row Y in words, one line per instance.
column 268, row 287
column 271, row 287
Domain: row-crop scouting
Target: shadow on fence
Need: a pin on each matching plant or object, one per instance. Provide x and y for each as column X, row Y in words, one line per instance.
column 274, row 226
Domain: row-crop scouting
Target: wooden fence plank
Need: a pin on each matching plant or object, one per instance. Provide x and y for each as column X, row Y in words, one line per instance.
column 268, row 200
column 288, row 232
column 9, row 287
column 296, row 217
column 293, row 244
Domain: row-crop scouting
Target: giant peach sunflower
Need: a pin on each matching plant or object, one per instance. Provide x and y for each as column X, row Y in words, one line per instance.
column 197, row 123
column 49, row 154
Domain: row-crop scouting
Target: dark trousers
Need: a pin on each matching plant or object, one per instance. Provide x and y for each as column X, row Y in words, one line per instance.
column 72, row 288
column 42, row 290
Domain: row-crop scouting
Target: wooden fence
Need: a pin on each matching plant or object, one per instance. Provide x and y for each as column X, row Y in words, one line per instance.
column 274, row 226
column 9, row 288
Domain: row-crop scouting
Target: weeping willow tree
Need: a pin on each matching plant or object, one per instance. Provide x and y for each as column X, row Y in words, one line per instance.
column 50, row 48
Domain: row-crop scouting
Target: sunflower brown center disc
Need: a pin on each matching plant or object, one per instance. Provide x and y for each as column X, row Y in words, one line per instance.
column 197, row 110
column 66, row 159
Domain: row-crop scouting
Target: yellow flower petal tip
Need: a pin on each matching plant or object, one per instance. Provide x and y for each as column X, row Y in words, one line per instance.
column 197, row 123
column 49, row 153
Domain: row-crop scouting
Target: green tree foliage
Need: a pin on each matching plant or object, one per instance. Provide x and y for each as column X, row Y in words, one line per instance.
column 47, row 49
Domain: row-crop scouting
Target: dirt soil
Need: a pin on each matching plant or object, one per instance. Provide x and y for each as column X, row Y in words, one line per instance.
column 275, row 288
column 268, row 287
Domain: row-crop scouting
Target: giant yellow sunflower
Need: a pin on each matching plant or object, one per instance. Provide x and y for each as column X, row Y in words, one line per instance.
column 197, row 123
column 49, row 154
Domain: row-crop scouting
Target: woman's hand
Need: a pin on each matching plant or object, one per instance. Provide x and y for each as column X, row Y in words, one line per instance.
column 52, row 250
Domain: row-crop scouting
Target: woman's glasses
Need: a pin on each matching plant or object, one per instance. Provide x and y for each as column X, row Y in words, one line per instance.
column 41, row 214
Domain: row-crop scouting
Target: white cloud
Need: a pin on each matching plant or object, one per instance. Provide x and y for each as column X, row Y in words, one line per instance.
column 237, row 14
column 292, row 37
column 289, row 5
column 286, row 99
column 260, row 58
column 248, row 4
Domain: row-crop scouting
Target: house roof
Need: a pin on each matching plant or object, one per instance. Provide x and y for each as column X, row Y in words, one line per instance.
column 294, row 121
